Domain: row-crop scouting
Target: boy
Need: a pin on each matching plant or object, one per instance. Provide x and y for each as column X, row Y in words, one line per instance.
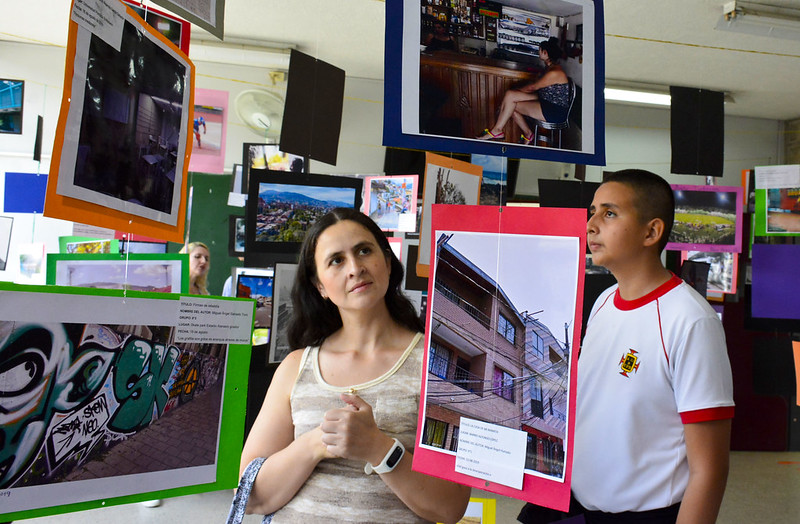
column 655, row 394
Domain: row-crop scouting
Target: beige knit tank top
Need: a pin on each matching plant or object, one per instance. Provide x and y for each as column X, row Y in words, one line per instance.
column 338, row 490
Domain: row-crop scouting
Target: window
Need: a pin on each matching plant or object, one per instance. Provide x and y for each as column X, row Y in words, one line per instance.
column 536, row 345
column 554, row 356
column 435, row 433
column 439, row 360
column 506, row 328
column 531, row 452
column 461, row 376
column 537, row 406
column 454, row 440
column 503, row 384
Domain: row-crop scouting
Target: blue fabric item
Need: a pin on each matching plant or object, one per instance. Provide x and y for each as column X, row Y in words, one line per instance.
column 239, row 502
column 24, row 193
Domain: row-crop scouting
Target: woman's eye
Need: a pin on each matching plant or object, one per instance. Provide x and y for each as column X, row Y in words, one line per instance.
column 365, row 251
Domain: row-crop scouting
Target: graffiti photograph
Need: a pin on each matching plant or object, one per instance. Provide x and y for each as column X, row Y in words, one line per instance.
column 90, row 401
column 101, row 399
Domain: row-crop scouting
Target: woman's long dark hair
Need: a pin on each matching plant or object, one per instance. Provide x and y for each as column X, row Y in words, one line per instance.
column 313, row 318
column 554, row 52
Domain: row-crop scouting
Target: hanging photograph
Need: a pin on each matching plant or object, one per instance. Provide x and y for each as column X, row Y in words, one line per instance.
column 6, row 224
column 208, row 14
column 31, row 263
column 11, row 97
column 263, row 157
column 777, row 200
column 256, row 283
column 74, row 245
column 176, row 30
column 391, row 201
column 503, row 319
column 110, row 403
column 469, row 81
column 138, row 272
column 282, row 206
column 236, row 236
column 123, row 133
column 282, row 311
column 707, row 218
column 495, row 187
column 209, row 127
column 723, row 271
column 447, row 181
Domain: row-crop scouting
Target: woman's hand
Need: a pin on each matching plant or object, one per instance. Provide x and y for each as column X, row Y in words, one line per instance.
column 351, row 432
column 315, row 441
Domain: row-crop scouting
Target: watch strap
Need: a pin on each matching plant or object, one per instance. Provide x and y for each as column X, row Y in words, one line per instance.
column 392, row 459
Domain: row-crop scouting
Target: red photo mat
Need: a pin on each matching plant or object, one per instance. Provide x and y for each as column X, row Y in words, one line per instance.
column 540, row 222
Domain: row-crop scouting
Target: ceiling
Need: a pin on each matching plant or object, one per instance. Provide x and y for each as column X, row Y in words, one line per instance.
column 650, row 42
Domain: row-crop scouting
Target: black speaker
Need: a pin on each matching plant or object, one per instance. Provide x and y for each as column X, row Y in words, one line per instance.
column 697, row 131
column 37, row 144
column 312, row 114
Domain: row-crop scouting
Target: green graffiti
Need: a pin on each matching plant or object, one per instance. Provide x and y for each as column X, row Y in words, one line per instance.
column 140, row 377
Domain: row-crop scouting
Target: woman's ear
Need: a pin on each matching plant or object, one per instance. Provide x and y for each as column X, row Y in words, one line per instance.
column 654, row 232
column 320, row 288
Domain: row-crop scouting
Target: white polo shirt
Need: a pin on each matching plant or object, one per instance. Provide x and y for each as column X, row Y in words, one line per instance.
column 646, row 368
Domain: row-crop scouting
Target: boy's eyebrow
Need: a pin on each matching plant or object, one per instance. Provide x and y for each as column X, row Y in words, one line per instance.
column 607, row 205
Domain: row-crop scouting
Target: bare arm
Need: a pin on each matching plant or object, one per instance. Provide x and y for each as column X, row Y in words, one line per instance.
column 707, row 445
column 289, row 461
column 554, row 76
column 351, row 432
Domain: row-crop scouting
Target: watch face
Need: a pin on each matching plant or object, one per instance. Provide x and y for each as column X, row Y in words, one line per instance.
column 397, row 454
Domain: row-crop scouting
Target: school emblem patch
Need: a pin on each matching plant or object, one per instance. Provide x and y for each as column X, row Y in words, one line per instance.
column 629, row 363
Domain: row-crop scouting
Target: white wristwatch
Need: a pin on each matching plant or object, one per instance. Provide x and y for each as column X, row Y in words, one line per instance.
column 389, row 462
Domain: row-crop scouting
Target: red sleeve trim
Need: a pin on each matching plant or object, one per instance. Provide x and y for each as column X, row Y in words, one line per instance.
column 705, row 415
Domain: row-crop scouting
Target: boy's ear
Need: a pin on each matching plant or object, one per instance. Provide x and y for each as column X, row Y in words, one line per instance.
column 654, row 232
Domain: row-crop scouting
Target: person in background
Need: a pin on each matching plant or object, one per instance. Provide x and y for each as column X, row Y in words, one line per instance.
column 654, row 390
column 200, row 121
column 546, row 99
column 199, row 264
column 440, row 38
column 339, row 421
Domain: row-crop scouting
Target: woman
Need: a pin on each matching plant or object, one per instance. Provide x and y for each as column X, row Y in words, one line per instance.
column 547, row 99
column 440, row 39
column 337, row 409
column 199, row 264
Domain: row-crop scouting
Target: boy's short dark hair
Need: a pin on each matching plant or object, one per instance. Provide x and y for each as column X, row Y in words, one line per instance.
column 654, row 197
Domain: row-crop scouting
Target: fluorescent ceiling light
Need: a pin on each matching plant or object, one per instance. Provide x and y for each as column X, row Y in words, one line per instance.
column 638, row 97
column 760, row 19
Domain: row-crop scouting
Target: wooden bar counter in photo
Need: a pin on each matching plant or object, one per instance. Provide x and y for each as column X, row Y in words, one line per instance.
column 467, row 89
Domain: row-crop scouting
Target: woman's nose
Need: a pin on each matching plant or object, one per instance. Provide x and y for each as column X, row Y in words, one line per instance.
column 354, row 265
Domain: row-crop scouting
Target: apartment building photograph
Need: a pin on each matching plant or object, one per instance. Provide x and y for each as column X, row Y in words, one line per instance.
column 496, row 359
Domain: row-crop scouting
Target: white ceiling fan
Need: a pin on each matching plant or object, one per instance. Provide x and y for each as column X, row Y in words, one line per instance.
column 262, row 111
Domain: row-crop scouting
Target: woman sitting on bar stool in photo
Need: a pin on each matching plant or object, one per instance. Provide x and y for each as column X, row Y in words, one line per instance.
column 546, row 99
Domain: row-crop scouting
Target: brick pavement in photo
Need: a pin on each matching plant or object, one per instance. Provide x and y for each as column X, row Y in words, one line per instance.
column 186, row 436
